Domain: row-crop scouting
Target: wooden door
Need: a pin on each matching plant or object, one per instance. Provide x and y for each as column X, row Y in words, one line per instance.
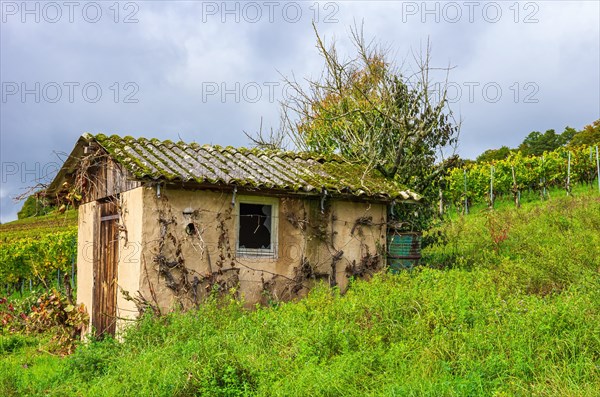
column 105, row 270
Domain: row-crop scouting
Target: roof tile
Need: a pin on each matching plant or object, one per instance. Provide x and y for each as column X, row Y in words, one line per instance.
column 283, row 170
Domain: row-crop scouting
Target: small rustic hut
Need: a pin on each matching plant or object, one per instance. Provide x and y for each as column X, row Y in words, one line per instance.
column 164, row 224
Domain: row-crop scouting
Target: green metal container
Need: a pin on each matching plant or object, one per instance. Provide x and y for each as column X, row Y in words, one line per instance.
column 404, row 250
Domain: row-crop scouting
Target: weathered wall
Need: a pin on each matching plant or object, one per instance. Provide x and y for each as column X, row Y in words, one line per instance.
column 162, row 264
column 85, row 254
column 103, row 178
column 360, row 232
column 129, row 256
column 180, row 269
column 130, row 253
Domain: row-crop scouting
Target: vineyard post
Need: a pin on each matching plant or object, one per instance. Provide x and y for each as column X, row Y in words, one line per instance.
column 543, row 179
column 516, row 192
column 598, row 168
column 569, row 173
column 591, row 182
column 492, row 186
column 466, row 198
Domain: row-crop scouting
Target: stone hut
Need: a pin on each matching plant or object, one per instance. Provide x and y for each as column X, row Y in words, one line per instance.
column 165, row 224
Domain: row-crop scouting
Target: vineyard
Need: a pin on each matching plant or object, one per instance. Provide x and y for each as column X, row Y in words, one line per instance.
column 38, row 251
column 516, row 175
column 41, row 251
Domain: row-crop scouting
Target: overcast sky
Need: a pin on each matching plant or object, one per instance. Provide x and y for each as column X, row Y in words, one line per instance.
column 207, row 71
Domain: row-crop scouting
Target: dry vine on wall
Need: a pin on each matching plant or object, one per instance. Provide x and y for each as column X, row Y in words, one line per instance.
column 187, row 283
column 317, row 230
column 369, row 263
column 315, row 224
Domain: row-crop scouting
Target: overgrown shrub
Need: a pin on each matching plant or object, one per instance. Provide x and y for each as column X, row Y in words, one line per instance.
column 52, row 313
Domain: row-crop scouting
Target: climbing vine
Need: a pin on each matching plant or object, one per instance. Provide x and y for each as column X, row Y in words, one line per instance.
column 208, row 270
column 186, row 283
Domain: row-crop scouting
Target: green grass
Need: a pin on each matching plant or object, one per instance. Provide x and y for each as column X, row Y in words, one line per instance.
column 518, row 317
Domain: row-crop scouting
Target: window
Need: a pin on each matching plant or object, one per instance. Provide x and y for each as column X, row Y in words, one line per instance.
column 257, row 226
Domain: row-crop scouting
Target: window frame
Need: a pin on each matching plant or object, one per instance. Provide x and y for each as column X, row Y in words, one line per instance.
column 258, row 252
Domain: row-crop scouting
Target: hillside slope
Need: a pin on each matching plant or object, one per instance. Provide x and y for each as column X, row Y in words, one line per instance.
column 38, row 226
column 32, row 250
column 509, row 306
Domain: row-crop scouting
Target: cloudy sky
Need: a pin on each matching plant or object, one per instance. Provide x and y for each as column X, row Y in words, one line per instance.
column 207, row 71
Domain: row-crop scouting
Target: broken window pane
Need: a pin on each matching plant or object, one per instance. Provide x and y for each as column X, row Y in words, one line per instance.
column 255, row 226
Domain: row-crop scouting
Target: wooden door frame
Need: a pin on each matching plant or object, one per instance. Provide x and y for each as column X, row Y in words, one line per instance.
column 105, row 267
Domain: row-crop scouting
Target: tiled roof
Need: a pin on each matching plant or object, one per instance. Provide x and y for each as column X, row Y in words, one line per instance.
column 253, row 168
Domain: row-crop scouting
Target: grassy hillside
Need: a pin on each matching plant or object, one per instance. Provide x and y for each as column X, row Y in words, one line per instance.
column 509, row 305
column 38, row 226
column 37, row 249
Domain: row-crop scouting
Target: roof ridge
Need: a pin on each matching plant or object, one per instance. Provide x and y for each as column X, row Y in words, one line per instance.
column 101, row 137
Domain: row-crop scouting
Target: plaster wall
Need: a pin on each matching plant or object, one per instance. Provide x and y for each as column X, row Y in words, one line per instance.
column 178, row 268
column 130, row 254
column 359, row 242
column 85, row 254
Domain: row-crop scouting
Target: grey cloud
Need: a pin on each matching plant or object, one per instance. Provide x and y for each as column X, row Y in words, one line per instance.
column 176, row 48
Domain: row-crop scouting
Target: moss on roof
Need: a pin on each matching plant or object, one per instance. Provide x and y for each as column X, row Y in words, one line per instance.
column 252, row 167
